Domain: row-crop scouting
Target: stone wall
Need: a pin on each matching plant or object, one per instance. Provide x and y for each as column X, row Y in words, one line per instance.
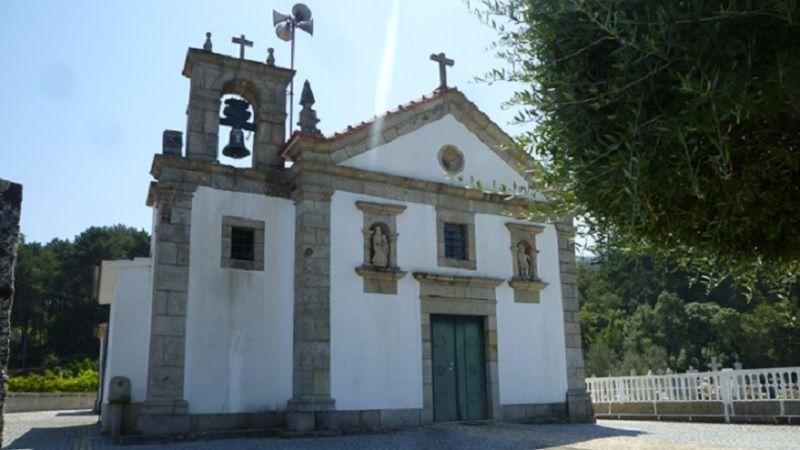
column 46, row 401
column 311, row 384
column 10, row 202
column 579, row 403
column 763, row 411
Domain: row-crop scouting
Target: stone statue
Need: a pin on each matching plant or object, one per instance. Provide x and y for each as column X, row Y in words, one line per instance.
column 380, row 248
column 524, row 262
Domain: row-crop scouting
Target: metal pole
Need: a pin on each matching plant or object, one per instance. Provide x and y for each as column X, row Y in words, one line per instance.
column 291, row 89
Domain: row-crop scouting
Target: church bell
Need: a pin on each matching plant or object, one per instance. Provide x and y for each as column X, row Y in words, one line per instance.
column 236, row 115
column 235, row 147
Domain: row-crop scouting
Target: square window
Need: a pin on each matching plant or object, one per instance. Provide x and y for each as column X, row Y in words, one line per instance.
column 242, row 244
column 455, row 241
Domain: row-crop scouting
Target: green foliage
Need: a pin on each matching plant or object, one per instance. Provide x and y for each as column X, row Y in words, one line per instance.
column 638, row 314
column 54, row 314
column 601, row 360
column 78, row 376
column 671, row 126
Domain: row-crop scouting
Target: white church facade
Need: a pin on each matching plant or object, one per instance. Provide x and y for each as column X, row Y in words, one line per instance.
column 365, row 285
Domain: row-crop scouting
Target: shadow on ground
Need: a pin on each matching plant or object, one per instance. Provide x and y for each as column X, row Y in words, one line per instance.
column 55, row 433
column 508, row 435
column 52, row 437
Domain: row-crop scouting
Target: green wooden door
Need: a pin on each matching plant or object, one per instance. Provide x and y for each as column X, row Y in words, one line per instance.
column 445, row 392
column 459, row 368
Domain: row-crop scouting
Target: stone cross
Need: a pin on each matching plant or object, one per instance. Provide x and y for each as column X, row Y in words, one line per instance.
column 714, row 365
column 443, row 62
column 243, row 42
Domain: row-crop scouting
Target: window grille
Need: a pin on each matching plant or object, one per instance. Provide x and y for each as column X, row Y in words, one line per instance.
column 455, row 241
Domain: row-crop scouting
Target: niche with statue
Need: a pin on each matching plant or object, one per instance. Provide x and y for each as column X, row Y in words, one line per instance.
column 379, row 269
column 525, row 282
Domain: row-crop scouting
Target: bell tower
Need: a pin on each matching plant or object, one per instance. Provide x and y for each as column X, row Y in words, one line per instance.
column 262, row 85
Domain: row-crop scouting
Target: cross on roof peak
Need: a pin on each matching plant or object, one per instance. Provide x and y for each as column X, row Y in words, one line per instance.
column 243, row 42
column 443, row 62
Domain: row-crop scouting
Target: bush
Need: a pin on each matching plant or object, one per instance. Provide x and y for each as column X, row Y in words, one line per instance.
column 77, row 376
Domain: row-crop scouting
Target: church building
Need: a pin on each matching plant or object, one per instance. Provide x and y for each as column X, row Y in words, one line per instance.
column 362, row 280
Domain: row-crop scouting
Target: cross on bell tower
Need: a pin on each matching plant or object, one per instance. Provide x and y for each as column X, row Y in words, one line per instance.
column 443, row 62
column 243, row 42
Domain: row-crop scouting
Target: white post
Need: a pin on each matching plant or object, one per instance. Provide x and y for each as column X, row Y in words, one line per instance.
column 726, row 381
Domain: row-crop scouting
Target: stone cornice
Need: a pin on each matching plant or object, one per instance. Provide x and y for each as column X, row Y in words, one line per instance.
column 196, row 56
column 439, row 278
column 385, row 209
column 175, row 173
column 360, row 181
column 565, row 227
column 162, row 162
column 524, row 227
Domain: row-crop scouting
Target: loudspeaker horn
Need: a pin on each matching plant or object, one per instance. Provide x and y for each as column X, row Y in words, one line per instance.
column 284, row 31
column 301, row 12
column 278, row 17
column 307, row 26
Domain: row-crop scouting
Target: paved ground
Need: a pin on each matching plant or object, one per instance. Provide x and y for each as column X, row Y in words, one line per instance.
column 79, row 430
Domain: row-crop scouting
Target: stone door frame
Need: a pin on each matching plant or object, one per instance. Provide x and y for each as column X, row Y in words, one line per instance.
column 459, row 296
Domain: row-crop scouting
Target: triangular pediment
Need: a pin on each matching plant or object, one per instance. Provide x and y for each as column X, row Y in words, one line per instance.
column 409, row 142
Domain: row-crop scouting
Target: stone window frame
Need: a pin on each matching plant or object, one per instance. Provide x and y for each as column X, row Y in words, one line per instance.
column 380, row 280
column 525, row 290
column 258, row 227
column 443, row 216
column 459, row 296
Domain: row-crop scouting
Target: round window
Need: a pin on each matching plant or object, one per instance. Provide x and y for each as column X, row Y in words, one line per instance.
column 451, row 159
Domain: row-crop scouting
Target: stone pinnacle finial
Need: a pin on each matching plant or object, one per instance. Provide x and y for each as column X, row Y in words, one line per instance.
column 207, row 44
column 308, row 117
column 307, row 96
column 271, row 56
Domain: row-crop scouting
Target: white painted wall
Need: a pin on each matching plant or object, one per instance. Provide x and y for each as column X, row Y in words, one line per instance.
column 239, row 323
column 376, row 346
column 531, row 348
column 416, row 155
column 129, row 323
column 376, row 359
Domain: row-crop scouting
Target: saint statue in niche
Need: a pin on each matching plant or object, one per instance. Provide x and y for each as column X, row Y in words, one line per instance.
column 380, row 248
column 524, row 262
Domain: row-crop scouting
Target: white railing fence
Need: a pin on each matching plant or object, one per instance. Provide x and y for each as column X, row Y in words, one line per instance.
column 726, row 385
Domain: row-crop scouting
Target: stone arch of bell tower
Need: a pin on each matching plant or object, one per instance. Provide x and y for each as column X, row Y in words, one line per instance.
column 263, row 86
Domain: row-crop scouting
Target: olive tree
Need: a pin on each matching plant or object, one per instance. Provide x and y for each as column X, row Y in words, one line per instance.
column 670, row 126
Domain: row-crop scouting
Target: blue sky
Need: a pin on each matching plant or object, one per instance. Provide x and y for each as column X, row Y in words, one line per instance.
column 89, row 86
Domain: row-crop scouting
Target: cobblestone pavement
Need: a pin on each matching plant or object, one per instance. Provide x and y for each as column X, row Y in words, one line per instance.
column 75, row 430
